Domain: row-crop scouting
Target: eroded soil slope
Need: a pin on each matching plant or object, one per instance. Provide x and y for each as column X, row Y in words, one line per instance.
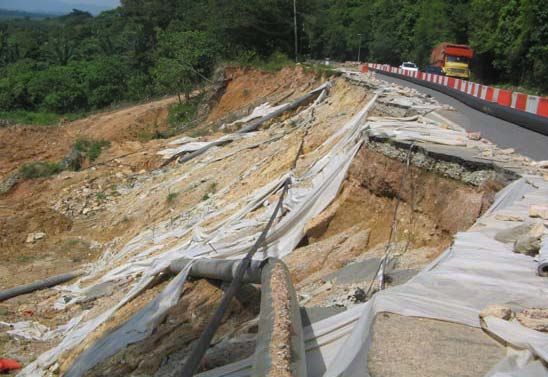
column 111, row 217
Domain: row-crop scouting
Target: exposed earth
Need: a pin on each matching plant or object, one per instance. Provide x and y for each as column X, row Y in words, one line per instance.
column 126, row 202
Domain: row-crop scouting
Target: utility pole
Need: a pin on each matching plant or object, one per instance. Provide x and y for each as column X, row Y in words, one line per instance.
column 359, row 46
column 295, row 27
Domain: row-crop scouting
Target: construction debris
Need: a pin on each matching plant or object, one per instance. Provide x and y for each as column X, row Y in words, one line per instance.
column 341, row 155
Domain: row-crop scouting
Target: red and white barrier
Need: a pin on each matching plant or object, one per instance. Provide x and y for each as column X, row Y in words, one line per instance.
column 519, row 101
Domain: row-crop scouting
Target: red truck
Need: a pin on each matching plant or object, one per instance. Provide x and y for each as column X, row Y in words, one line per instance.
column 452, row 59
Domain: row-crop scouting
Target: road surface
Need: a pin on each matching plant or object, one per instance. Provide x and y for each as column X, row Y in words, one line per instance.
column 505, row 134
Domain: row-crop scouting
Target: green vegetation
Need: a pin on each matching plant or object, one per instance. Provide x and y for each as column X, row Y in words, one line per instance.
column 271, row 63
column 6, row 14
column 40, row 169
column 37, row 117
column 145, row 48
column 180, row 114
column 211, row 189
column 30, row 117
column 89, row 148
column 171, row 197
column 82, row 150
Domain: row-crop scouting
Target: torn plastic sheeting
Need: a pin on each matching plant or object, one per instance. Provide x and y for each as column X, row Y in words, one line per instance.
column 322, row 340
column 79, row 333
column 475, row 272
column 325, row 174
column 303, row 204
column 181, row 140
column 36, row 331
column 518, row 363
column 187, row 147
column 286, row 107
column 137, row 328
column 28, row 330
column 258, row 112
column 172, row 153
column 196, row 146
column 510, row 194
column 513, row 333
column 416, row 131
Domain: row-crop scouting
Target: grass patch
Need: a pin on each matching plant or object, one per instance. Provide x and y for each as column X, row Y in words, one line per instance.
column 90, row 148
column 211, row 189
column 81, row 150
column 273, row 63
column 185, row 112
column 321, row 70
column 40, row 169
column 171, row 197
column 35, row 117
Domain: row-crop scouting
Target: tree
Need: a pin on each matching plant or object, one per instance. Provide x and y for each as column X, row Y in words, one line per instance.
column 185, row 59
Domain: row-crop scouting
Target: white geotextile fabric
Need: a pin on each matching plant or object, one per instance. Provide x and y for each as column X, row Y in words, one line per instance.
column 413, row 130
column 475, row 272
column 185, row 147
column 259, row 112
column 232, row 237
column 196, row 145
column 33, row 330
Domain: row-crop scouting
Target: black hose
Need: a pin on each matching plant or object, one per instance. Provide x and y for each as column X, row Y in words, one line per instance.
column 193, row 361
column 37, row 285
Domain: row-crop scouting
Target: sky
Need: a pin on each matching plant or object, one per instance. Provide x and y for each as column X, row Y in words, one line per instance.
column 59, row 6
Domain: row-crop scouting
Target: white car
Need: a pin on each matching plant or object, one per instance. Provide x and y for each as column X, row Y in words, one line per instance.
column 409, row 66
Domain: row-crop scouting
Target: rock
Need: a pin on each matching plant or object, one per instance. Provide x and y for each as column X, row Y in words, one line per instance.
column 508, row 217
column 507, row 151
column 512, row 234
column 539, row 211
column 85, row 211
column 534, row 318
column 33, row 237
column 359, row 295
column 541, row 164
column 487, row 153
column 498, row 311
column 474, row 135
column 530, row 242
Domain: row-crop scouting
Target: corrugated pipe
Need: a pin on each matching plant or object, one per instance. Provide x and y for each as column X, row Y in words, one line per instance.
column 280, row 340
column 218, row 269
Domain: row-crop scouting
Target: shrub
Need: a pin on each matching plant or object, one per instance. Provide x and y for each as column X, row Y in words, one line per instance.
column 171, row 197
column 40, row 169
column 181, row 113
column 90, row 148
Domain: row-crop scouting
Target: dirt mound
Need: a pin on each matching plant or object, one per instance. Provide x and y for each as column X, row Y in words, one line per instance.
column 248, row 88
column 128, row 124
column 126, row 209
column 25, row 144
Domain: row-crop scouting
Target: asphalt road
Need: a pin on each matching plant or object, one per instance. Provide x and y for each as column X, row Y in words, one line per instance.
column 505, row 134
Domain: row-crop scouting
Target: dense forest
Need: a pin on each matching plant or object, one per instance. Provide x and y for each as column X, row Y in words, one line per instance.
column 144, row 48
